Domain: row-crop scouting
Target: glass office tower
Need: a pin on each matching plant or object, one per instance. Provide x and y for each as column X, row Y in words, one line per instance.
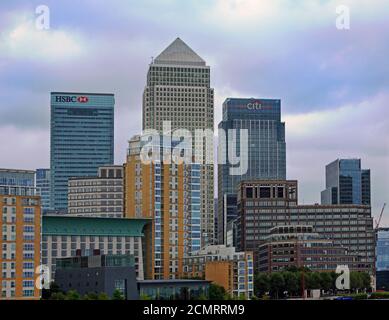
column 266, row 150
column 43, row 188
column 382, row 249
column 82, row 139
column 382, row 262
column 346, row 183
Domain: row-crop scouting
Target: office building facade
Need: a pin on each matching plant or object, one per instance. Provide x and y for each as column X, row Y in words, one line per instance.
column 382, row 264
column 347, row 183
column 100, row 196
column 82, row 139
column 178, row 90
column 265, row 157
column 263, row 205
column 43, row 188
column 224, row 266
column 63, row 236
column 382, row 249
column 169, row 193
column 299, row 246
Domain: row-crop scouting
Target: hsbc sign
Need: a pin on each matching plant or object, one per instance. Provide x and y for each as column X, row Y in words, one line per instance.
column 73, row 99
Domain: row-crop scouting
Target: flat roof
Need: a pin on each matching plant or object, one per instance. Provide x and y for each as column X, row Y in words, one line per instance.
column 170, row 281
column 93, row 226
column 84, row 93
column 17, row 170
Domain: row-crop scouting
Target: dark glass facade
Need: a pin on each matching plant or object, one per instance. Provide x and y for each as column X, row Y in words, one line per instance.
column 82, row 139
column 382, row 249
column 346, row 183
column 266, row 150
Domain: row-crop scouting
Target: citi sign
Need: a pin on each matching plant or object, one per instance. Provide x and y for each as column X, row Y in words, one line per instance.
column 80, row 99
column 254, row 105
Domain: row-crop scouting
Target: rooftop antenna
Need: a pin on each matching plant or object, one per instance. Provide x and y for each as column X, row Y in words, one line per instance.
column 152, row 60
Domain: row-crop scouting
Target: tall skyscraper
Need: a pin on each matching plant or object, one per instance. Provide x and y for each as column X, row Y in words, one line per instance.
column 170, row 194
column 265, row 156
column 346, row 183
column 43, row 188
column 20, row 227
column 82, row 139
column 178, row 90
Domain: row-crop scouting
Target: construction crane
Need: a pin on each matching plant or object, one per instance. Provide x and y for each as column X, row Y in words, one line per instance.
column 377, row 225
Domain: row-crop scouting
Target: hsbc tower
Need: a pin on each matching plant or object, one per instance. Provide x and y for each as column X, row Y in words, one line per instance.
column 81, row 139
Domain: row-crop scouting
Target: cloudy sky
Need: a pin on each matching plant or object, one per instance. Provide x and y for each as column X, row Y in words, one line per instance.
column 334, row 84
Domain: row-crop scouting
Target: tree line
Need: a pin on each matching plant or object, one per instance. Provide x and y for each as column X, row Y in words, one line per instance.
column 289, row 283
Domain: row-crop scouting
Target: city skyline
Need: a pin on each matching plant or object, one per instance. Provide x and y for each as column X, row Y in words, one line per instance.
column 330, row 111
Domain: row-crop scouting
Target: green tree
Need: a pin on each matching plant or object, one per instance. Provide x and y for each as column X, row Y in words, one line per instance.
column 292, row 281
column 216, row 292
column 366, row 281
column 117, row 295
column 103, row 296
column 277, row 284
column 355, row 281
column 326, row 281
column 57, row 296
column 312, row 280
column 72, row 295
column 261, row 284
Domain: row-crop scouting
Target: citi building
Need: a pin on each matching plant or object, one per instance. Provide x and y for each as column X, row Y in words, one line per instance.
column 264, row 153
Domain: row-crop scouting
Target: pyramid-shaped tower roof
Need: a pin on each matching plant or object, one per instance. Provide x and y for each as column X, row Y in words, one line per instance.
column 179, row 53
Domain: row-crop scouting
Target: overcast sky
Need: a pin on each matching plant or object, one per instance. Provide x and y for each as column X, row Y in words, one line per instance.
column 334, row 84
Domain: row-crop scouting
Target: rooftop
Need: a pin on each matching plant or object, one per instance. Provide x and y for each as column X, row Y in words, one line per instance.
column 178, row 52
column 93, row 226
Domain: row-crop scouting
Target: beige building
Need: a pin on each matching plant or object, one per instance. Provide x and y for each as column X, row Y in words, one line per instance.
column 224, row 266
column 178, row 90
column 100, row 196
column 170, row 195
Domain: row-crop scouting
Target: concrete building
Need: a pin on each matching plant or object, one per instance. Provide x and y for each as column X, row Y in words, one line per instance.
column 263, row 205
column 100, row 196
column 20, row 226
column 43, row 188
column 81, row 139
column 266, row 150
column 98, row 274
column 178, row 90
column 62, row 236
column 224, row 266
column 346, row 183
column 299, row 246
column 169, row 193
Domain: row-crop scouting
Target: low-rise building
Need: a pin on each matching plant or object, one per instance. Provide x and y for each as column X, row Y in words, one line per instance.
column 174, row 289
column 62, row 236
column 299, row 246
column 98, row 274
column 224, row 266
